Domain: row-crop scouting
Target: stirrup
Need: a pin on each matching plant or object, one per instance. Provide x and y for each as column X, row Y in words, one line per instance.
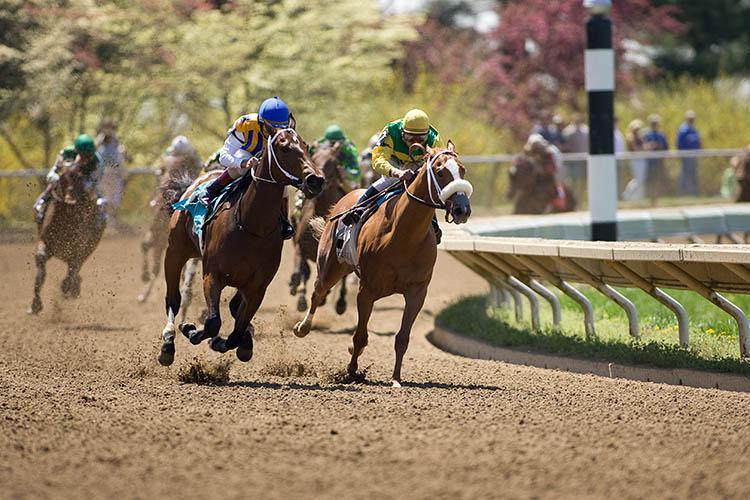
column 287, row 230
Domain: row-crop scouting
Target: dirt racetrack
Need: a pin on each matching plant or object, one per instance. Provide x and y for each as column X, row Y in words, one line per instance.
column 85, row 411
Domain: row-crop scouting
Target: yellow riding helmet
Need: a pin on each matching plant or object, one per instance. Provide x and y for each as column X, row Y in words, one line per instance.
column 416, row 122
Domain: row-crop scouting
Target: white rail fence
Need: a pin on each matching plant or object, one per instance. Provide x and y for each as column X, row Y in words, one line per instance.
column 520, row 267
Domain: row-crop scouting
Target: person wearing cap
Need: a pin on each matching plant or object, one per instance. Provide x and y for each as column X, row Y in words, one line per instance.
column 391, row 159
column 182, row 149
column 81, row 153
column 655, row 140
column 688, row 138
column 348, row 154
column 636, row 188
column 246, row 140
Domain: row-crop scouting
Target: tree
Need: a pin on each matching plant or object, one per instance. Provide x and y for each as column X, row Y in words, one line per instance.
column 715, row 39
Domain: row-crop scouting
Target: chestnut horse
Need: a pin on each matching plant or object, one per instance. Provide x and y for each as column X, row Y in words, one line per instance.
column 305, row 241
column 533, row 193
column 175, row 172
column 242, row 246
column 396, row 248
column 72, row 227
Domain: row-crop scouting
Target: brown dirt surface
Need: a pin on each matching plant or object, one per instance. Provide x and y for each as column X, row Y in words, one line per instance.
column 86, row 412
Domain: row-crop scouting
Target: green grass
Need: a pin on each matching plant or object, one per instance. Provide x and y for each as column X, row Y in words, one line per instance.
column 714, row 344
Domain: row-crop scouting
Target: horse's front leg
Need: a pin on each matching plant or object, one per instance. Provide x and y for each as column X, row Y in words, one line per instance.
column 146, row 245
column 414, row 302
column 241, row 337
column 41, row 273
column 71, row 285
column 212, row 288
column 294, row 280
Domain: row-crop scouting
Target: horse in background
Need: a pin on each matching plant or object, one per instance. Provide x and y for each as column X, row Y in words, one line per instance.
column 240, row 246
column 305, row 241
column 177, row 172
column 72, row 227
column 533, row 192
column 396, row 249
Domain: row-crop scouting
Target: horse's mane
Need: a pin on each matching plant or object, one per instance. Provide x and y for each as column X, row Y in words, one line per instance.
column 172, row 188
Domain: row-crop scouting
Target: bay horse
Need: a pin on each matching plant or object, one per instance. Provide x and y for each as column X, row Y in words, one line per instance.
column 176, row 172
column 242, row 246
column 535, row 193
column 396, row 248
column 305, row 241
column 71, row 230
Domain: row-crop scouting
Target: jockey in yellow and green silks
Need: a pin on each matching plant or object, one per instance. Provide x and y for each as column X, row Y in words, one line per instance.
column 390, row 156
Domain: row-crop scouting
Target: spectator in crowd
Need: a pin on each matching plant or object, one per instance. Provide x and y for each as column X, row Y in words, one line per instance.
column 656, row 175
column 113, row 156
column 551, row 131
column 688, row 138
column 636, row 187
column 575, row 139
column 619, row 143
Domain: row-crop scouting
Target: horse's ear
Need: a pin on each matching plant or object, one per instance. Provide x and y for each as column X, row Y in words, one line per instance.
column 292, row 122
column 429, row 150
column 451, row 147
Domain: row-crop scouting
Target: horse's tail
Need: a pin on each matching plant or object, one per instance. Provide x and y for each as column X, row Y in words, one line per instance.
column 173, row 187
column 317, row 226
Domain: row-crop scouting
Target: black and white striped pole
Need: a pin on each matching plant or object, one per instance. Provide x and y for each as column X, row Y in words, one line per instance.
column 599, row 62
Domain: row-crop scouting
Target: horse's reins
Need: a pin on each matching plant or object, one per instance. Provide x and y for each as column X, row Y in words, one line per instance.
column 296, row 181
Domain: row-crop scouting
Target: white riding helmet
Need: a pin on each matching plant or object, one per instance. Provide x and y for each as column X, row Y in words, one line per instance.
column 181, row 145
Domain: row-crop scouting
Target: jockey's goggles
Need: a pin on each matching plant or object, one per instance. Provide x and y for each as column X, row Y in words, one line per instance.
column 415, row 137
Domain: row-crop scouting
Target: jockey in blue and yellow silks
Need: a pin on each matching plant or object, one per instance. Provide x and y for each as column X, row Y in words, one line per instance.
column 244, row 146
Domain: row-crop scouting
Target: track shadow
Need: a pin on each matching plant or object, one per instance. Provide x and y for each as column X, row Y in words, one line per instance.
column 96, row 327
column 294, row 385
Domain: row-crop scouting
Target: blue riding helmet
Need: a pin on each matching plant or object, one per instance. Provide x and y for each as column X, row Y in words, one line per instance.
column 274, row 112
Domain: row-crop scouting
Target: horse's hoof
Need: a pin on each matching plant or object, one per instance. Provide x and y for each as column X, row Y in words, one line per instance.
column 218, row 344
column 340, row 307
column 36, row 306
column 302, row 304
column 396, row 384
column 301, row 329
column 244, row 353
column 192, row 333
column 166, row 355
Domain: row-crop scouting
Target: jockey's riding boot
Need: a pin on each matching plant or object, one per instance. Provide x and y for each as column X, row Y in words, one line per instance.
column 214, row 189
column 354, row 214
column 287, row 230
column 40, row 206
column 438, row 231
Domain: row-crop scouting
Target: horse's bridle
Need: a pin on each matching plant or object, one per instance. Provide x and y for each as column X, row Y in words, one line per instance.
column 456, row 185
column 295, row 181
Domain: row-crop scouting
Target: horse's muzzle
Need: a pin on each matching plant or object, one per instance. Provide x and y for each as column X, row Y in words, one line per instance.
column 313, row 185
column 460, row 208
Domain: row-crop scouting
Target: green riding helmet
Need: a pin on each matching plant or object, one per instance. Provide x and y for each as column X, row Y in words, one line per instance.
column 334, row 133
column 84, row 143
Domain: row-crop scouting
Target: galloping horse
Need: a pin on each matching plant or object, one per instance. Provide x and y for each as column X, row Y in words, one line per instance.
column 533, row 193
column 72, row 227
column 305, row 241
column 242, row 246
column 396, row 249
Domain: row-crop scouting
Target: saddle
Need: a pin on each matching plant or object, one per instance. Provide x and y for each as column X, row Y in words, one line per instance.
column 202, row 214
column 346, row 236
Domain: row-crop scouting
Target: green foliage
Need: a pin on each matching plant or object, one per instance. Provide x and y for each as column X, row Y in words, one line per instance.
column 657, row 346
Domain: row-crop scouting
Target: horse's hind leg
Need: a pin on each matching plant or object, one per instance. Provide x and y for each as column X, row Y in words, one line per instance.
column 212, row 291
column 304, row 271
column 173, row 262
column 241, row 337
column 294, row 280
column 365, row 302
column 146, row 245
column 414, row 302
column 329, row 273
column 41, row 273
column 341, row 302
column 186, row 291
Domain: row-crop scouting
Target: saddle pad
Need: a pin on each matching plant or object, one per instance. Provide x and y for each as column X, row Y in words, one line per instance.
column 200, row 213
column 346, row 236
